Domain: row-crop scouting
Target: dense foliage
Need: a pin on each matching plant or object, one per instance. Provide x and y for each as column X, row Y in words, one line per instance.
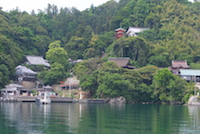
column 147, row 84
column 173, row 35
column 60, row 66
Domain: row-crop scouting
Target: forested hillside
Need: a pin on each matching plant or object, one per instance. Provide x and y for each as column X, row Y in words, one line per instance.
column 174, row 33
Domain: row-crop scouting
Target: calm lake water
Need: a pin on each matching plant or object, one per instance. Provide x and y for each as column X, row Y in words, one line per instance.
column 67, row 118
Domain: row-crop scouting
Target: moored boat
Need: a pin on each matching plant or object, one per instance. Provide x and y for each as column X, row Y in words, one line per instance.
column 43, row 99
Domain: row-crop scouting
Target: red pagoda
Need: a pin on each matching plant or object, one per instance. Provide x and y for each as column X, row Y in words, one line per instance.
column 119, row 32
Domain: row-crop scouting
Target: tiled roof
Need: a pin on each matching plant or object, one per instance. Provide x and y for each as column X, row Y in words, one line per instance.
column 8, row 89
column 122, row 61
column 179, row 64
column 37, row 60
column 13, row 85
column 118, row 29
column 22, row 69
column 47, row 87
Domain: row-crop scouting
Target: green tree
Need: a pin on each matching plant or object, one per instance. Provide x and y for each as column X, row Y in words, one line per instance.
column 107, row 74
column 95, row 48
column 8, row 61
column 168, row 87
column 75, row 47
column 4, row 75
column 147, row 73
column 141, row 81
column 113, row 85
column 153, row 21
column 150, row 35
column 57, row 54
column 134, row 47
column 54, row 75
column 195, row 65
column 107, row 38
column 86, row 72
column 141, row 11
column 28, row 21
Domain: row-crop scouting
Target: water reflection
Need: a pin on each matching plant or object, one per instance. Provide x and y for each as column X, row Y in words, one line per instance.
column 56, row 118
column 194, row 112
column 33, row 118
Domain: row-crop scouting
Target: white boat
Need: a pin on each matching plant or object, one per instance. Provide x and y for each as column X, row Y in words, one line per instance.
column 43, row 99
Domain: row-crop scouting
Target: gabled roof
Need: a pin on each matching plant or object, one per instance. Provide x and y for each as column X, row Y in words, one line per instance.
column 37, row 60
column 13, row 86
column 121, row 61
column 179, row 64
column 48, row 87
column 120, row 29
column 22, row 69
column 189, row 72
column 8, row 89
column 132, row 31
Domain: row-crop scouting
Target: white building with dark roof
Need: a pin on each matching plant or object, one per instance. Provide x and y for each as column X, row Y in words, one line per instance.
column 133, row 31
column 11, row 89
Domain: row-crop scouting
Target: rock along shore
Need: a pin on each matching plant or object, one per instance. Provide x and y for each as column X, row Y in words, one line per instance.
column 194, row 100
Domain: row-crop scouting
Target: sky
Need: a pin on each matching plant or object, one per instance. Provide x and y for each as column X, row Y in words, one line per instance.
column 29, row 5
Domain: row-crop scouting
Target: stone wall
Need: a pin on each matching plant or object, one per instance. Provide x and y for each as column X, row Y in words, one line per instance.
column 28, row 84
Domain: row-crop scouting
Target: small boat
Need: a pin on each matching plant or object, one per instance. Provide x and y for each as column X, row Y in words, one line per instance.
column 43, row 99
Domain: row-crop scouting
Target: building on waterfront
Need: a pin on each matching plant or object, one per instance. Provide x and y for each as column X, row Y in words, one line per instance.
column 71, row 87
column 26, row 77
column 11, row 90
column 190, row 74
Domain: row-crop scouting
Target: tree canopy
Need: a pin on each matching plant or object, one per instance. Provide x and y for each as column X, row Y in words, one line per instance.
column 72, row 34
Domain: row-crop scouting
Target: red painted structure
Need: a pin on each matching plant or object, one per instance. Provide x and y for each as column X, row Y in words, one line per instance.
column 119, row 32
